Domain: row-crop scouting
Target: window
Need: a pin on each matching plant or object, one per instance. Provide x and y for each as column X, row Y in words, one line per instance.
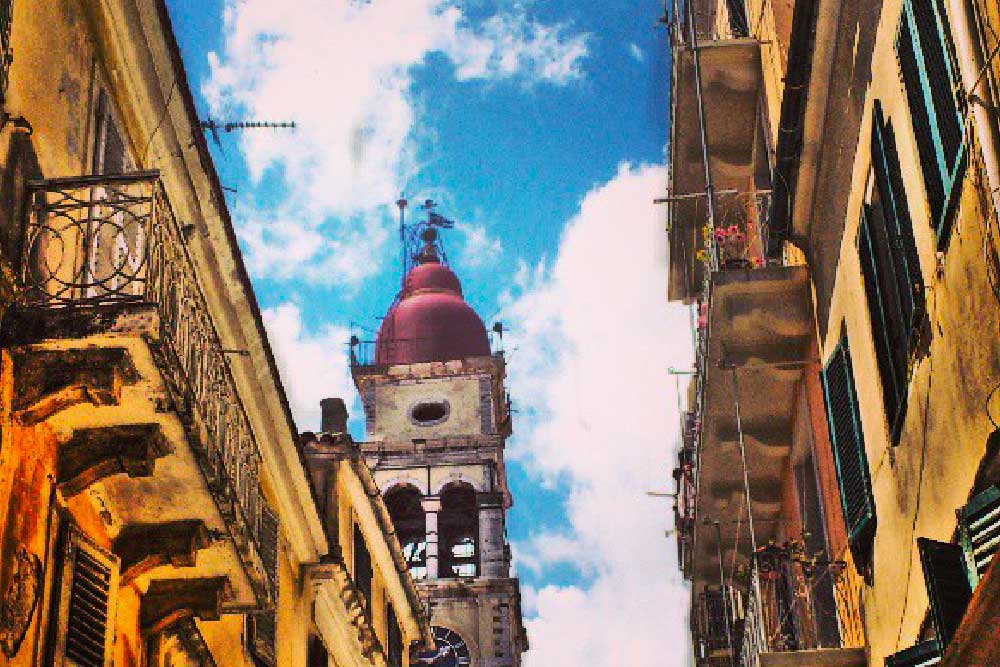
column 848, row 443
column 891, row 269
column 979, row 529
column 317, row 655
column 430, row 413
column 923, row 654
column 458, row 526
column 404, row 505
column 931, row 80
column 85, row 606
column 362, row 567
column 394, row 638
column 110, row 155
column 947, row 581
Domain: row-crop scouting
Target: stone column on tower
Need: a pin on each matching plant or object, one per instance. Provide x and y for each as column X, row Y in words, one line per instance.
column 432, row 506
column 491, row 535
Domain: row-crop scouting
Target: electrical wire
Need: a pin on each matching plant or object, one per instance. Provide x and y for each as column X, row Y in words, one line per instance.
column 920, row 484
column 163, row 115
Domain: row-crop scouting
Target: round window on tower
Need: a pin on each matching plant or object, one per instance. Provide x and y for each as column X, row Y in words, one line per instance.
column 430, row 413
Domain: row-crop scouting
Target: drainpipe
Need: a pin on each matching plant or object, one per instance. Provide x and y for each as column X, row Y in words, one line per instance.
column 972, row 65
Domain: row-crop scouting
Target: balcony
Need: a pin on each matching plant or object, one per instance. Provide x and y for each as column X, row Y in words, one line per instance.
column 724, row 71
column 789, row 619
column 755, row 341
column 105, row 275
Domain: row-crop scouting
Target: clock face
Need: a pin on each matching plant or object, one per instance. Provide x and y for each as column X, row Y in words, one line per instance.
column 452, row 651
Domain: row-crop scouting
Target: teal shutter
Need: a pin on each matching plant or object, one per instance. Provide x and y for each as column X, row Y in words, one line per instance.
column 891, row 268
column 924, row 50
column 923, row 654
column 848, row 442
column 979, row 527
column 898, row 225
column 947, row 583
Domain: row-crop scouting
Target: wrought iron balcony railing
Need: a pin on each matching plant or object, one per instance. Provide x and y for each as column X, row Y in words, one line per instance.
column 102, row 241
column 791, row 605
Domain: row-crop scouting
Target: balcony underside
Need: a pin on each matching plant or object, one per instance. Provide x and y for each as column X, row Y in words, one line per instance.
column 841, row 657
column 730, row 83
column 761, row 324
column 122, row 444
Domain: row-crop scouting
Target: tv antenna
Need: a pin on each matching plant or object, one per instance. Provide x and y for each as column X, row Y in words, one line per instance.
column 421, row 239
column 228, row 126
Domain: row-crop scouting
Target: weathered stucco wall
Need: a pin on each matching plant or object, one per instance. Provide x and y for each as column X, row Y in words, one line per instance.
column 920, row 483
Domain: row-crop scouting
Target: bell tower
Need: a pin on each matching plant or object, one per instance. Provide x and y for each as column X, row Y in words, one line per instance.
column 437, row 419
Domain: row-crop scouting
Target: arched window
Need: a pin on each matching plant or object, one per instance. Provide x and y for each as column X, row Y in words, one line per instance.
column 458, row 529
column 411, row 530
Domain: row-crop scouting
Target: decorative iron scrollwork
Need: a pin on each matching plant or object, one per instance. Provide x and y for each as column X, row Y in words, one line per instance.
column 104, row 240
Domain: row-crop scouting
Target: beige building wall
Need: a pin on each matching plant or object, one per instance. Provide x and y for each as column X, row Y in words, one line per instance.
column 920, row 483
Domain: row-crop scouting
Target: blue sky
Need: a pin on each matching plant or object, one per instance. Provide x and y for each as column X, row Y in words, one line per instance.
column 539, row 126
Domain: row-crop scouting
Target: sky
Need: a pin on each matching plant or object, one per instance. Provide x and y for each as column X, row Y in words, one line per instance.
column 539, row 126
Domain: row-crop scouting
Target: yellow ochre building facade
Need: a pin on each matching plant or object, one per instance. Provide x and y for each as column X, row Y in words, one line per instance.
column 158, row 504
column 833, row 224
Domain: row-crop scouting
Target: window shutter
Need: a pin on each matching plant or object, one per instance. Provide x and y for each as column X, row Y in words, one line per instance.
column 979, row 525
column 262, row 627
column 947, row 585
column 932, row 87
column 890, row 349
column 924, row 654
column 899, row 226
column 849, row 451
column 262, row 635
column 85, row 624
column 268, row 543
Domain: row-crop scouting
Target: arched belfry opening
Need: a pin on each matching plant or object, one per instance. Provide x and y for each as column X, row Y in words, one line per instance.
column 404, row 505
column 458, row 528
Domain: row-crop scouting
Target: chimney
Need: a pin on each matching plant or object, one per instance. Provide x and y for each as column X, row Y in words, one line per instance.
column 334, row 418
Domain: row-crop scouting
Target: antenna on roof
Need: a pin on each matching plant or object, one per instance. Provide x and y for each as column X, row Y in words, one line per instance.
column 214, row 126
column 401, row 203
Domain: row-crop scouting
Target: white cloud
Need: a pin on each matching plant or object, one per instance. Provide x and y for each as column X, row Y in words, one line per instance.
column 343, row 72
column 636, row 52
column 594, row 337
column 313, row 366
column 479, row 247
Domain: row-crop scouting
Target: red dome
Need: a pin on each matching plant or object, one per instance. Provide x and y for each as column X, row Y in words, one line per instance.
column 431, row 321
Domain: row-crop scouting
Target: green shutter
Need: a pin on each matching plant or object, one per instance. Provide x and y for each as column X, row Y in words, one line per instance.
column 848, row 442
column 932, row 87
column 948, row 589
column 979, row 526
column 923, row 654
column 899, row 226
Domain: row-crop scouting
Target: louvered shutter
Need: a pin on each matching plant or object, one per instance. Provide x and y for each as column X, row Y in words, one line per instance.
column 848, row 442
column 261, row 636
column 85, row 622
column 947, row 582
column 979, row 524
column 261, row 627
column 930, row 77
column 899, row 226
column 268, row 543
column 891, row 352
column 924, row 654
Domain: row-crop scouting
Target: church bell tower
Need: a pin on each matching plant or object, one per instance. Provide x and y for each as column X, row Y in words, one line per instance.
column 437, row 419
